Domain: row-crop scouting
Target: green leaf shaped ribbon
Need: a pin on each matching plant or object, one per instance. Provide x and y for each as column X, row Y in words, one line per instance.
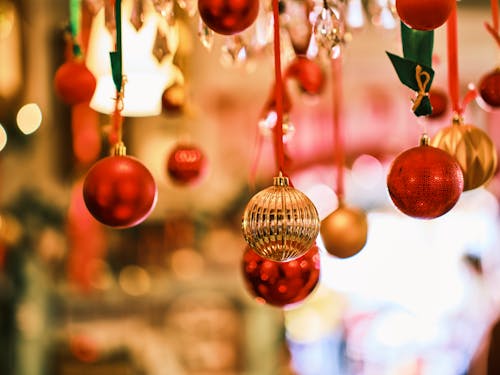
column 414, row 70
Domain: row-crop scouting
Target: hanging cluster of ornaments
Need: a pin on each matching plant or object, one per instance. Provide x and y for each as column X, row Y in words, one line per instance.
column 427, row 181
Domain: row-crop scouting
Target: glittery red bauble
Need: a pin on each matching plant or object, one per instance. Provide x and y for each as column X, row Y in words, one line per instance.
column 281, row 283
column 228, row 16
column 489, row 88
column 439, row 103
column 424, row 14
column 74, row 83
column 185, row 164
column 308, row 73
column 119, row 191
column 425, row 182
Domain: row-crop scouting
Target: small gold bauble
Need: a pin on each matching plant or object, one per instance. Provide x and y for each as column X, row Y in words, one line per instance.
column 280, row 223
column 344, row 231
column 473, row 149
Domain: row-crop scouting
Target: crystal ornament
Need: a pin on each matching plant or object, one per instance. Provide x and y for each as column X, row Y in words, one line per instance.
column 206, row 35
column 234, row 51
column 329, row 30
column 267, row 124
column 190, row 6
column 160, row 46
column 355, row 15
column 137, row 14
column 280, row 223
column 164, row 7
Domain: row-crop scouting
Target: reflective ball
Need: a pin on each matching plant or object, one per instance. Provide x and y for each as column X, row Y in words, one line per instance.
column 119, row 191
column 489, row 88
column 185, row 164
column 425, row 182
column 74, row 83
column 344, row 231
column 228, row 17
column 439, row 102
column 281, row 283
column 424, row 14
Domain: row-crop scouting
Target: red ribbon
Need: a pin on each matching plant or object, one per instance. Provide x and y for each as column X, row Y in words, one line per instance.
column 278, row 129
column 453, row 80
column 494, row 28
column 338, row 139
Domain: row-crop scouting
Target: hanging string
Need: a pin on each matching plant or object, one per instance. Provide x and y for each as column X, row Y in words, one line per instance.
column 115, row 138
column 74, row 24
column 453, row 79
column 278, row 128
column 494, row 29
column 338, row 137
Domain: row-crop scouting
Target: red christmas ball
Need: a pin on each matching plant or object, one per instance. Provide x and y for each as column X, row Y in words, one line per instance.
column 74, row 83
column 308, row 73
column 228, row 16
column 424, row 14
column 425, row 182
column 119, row 191
column 439, row 103
column 489, row 88
column 281, row 283
column 185, row 164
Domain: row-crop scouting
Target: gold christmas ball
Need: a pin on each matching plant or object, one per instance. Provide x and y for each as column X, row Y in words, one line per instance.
column 472, row 148
column 344, row 231
column 280, row 223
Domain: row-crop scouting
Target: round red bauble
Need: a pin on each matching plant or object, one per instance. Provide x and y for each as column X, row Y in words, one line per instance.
column 424, row 14
column 308, row 73
column 439, row 103
column 228, row 16
column 74, row 83
column 174, row 98
column 489, row 88
column 281, row 283
column 425, row 182
column 185, row 164
column 119, row 191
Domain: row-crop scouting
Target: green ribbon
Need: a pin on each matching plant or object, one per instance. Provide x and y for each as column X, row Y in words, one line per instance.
column 74, row 24
column 414, row 70
column 116, row 56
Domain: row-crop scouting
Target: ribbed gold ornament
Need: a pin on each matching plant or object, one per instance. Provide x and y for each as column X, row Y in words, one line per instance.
column 280, row 223
column 472, row 148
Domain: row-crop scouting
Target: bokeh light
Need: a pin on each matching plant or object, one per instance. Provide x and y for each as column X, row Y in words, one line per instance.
column 29, row 118
column 134, row 280
column 3, row 137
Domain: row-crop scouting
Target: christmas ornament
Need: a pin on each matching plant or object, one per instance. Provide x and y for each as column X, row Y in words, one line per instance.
column 119, row 191
column 308, row 73
column 280, row 223
column 439, row 103
column 228, row 16
column 281, row 283
column 424, row 14
column 185, row 164
column 329, row 30
column 489, row 88
column 472, row 148
column 344, row 231
column 174, row 98
column 425, row 182
column 74, row 83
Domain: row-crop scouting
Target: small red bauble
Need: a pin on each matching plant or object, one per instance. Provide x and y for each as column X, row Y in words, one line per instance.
column 74, row 83
column 308, row 73
column 228, row 16
column 425, row 182
column 119, row 191
column 439, row 103
column 489, row 88
column 174, row 99
column 424, row 14
column 185, row 164
column 281, row 283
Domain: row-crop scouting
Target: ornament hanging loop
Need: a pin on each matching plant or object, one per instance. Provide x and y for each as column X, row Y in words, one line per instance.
column 422, row 85
column 118, row 149
column 425, row 140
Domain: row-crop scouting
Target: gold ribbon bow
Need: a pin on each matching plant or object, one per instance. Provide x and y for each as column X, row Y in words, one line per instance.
column 419, row 74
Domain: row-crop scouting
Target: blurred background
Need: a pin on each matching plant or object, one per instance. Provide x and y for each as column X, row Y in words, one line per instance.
column 168, row 296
